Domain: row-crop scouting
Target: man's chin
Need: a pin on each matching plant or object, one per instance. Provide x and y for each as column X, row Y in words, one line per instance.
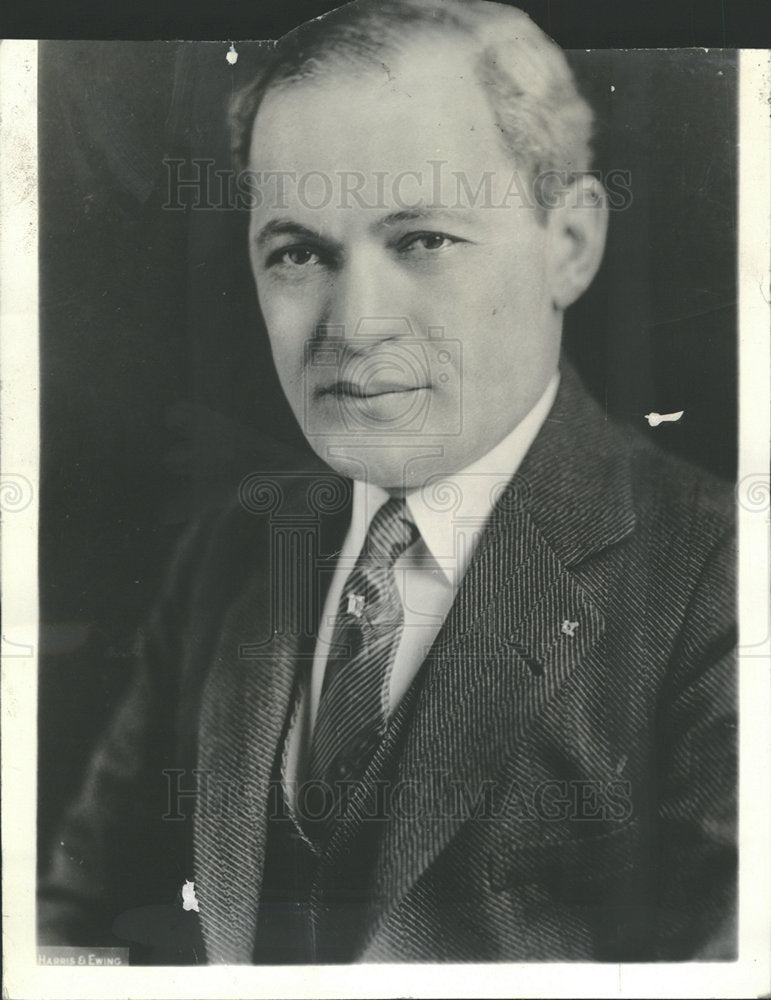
column 395, row 464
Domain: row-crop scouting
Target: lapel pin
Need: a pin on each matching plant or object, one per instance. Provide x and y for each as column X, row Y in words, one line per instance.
column 355, row 605
column 568, row 628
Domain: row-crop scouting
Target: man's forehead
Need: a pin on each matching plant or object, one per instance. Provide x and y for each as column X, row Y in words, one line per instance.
column 378, row 125
column 403, row 174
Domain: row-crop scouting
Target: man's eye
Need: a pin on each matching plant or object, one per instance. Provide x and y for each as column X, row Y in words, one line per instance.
column 430, row 242
column 294, row 257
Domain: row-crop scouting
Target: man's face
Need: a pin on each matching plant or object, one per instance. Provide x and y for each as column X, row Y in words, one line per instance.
column 409, row 309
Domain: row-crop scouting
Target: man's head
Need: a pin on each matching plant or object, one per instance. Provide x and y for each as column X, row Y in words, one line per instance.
column 423, row 218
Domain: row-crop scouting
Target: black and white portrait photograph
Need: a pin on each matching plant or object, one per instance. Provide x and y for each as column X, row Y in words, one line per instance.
column 387, row 427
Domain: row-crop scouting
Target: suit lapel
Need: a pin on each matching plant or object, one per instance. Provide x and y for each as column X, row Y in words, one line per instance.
column 245, row 702
column 487, row 679
column 522, row 624
column 244, row 710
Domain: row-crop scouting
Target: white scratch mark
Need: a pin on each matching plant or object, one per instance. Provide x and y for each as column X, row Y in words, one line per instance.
column 654, row 419
column 189, row 902
column 232, row 55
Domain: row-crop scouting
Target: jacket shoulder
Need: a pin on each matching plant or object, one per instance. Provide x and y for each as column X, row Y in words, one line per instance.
column 224, row 544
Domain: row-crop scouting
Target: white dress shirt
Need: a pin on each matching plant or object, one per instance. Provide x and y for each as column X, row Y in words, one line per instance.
column 450, row 513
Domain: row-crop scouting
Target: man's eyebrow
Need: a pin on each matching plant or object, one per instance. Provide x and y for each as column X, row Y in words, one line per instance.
column 425, row 213
column 286, row 227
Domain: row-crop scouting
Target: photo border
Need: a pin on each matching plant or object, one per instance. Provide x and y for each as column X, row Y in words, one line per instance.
column 23, row 978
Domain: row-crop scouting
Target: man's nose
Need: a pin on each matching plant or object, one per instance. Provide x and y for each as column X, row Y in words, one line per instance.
column 365, row 307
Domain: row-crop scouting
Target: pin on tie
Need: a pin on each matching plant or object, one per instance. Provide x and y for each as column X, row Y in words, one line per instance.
column 355, row 605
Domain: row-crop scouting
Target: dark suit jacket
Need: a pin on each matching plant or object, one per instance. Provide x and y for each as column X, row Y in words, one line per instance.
column 567, row 766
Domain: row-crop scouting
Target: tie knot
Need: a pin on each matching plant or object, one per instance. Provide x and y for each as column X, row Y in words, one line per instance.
column 390, row 533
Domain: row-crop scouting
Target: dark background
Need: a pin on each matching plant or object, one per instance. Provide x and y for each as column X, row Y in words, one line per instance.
column 158, row 394
column 573, row 24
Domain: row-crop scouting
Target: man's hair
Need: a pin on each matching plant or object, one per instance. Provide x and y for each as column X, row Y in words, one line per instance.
column 543, row 121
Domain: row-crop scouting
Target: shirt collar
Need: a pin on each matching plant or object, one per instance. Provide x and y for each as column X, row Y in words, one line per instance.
column 450, row 511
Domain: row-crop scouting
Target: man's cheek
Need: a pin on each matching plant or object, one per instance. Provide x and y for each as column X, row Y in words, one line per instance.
column 288, row 358
column 290, row 328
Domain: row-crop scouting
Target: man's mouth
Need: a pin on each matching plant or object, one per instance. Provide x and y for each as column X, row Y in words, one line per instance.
column 372, row 389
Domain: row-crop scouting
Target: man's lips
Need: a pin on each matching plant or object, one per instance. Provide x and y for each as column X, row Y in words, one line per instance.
column 371, row 390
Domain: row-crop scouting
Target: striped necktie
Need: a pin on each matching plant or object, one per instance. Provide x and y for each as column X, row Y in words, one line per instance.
column 353, row 710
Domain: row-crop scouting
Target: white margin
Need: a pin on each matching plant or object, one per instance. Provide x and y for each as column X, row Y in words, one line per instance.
column 754, row 287
column 19, row 447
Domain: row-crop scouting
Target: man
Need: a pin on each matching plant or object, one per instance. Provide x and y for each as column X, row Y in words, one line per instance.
column 469, row 696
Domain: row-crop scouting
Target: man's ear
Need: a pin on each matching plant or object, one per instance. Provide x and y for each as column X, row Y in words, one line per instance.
column 578, row 222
